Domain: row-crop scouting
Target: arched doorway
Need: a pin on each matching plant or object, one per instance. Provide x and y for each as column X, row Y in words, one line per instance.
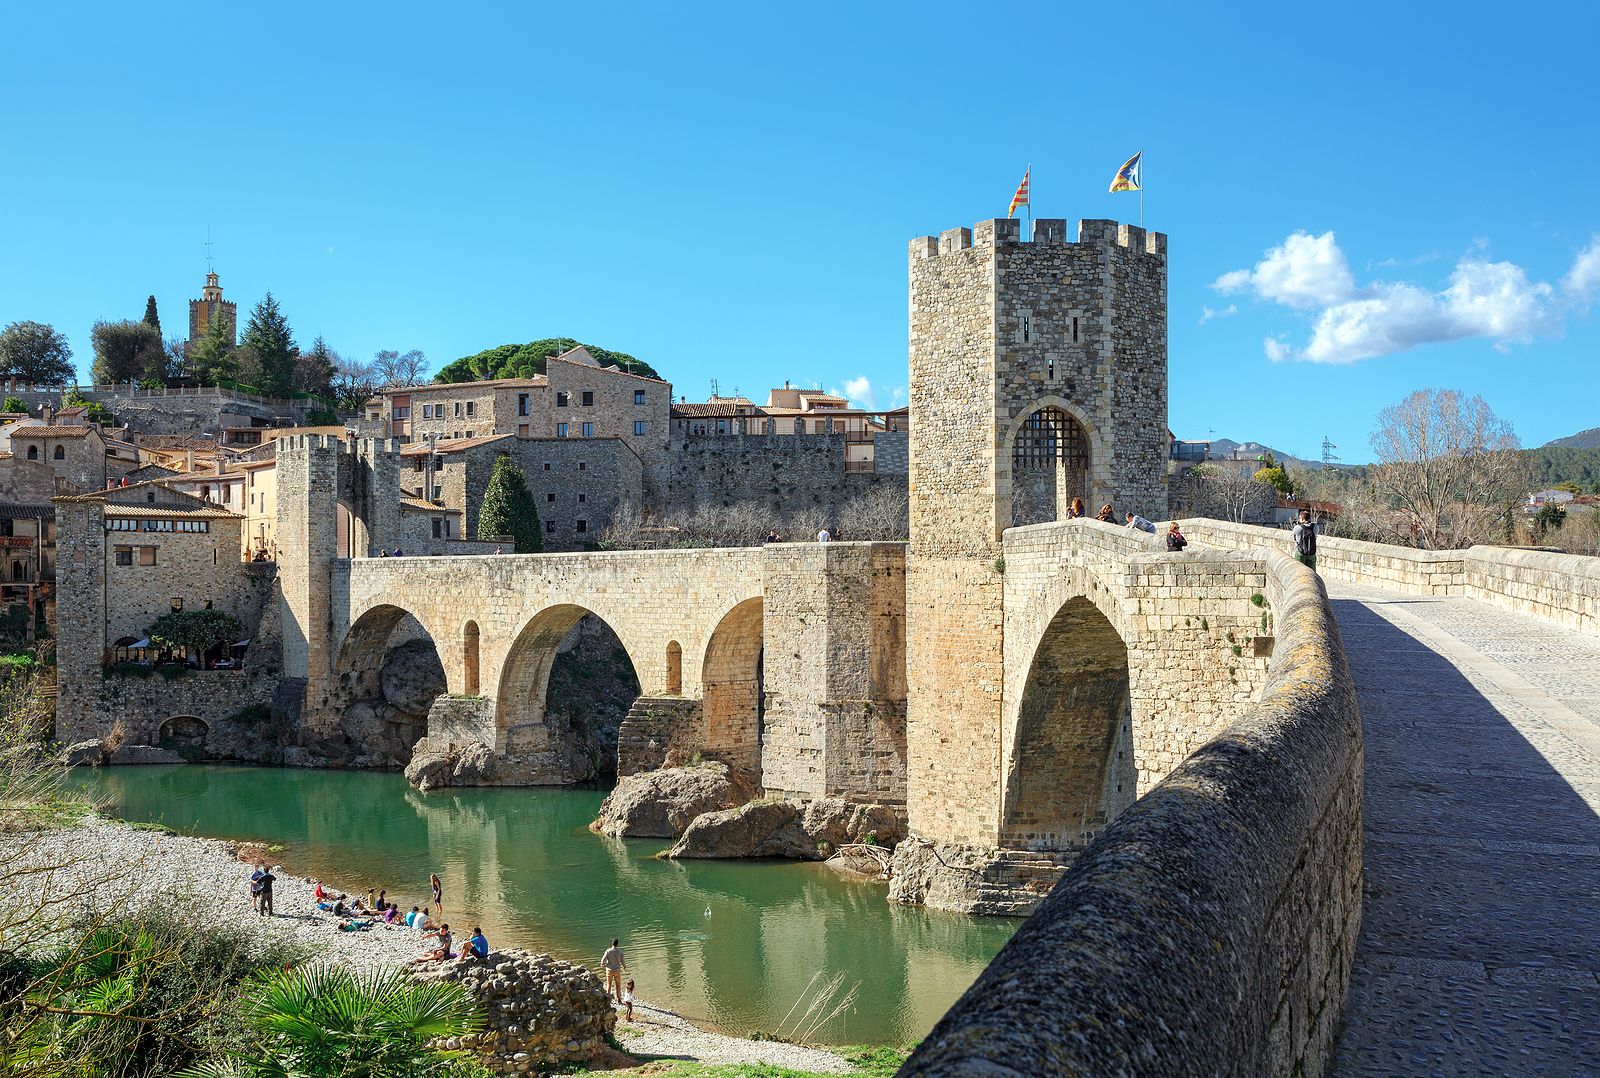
column 1050, row 465
column 184, row 735
column 674, row 668
column 732, row 684
column 1069, row 769
column 387, row 676
column 565, row 687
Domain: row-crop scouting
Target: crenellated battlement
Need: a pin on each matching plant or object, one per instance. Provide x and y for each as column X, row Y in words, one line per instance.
column 1002, row 231
column 300, row 443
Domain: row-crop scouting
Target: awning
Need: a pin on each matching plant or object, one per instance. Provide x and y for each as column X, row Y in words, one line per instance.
column 242, row 644
column 137, row 644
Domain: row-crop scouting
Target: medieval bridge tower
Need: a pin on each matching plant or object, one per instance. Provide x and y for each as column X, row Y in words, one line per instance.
column 1038, row 374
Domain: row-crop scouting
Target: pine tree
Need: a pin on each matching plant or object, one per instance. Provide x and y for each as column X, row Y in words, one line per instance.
column 211, row 360
column 269, row 337
column 315, row 369
column 508, row 508
column 151, row 318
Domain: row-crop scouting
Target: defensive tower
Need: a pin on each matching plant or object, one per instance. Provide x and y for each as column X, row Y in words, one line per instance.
column 209, row 307
column 1038, row 374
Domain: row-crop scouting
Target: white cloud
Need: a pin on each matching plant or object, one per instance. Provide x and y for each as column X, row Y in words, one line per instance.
column 1583, row 279
column 1303, row 271
column 1208, row 313
column 1483, row 299
column 859, row 390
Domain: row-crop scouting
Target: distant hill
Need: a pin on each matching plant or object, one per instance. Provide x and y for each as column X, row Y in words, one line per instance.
column 527, row 360
column 1566, row 460
column 1584, row 439
column 1223, row 449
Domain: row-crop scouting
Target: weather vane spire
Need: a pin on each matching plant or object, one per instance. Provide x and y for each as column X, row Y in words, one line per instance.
column 208, row 249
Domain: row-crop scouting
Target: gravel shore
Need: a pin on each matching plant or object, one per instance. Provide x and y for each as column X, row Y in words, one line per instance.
column 163, row 869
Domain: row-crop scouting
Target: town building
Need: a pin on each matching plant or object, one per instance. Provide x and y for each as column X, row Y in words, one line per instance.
column 788, row 411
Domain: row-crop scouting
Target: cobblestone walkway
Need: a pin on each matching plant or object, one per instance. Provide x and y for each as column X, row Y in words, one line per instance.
column 1480, row 938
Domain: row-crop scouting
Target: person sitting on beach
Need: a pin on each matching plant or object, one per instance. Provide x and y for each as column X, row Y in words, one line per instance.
column 323, row 893
column 440, row 952
column 478, row 943
column 391, row 915
column 340, row 909
column 413, row 917
column 382, row 904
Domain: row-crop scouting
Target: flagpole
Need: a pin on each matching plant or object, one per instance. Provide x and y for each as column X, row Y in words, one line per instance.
column 1029, row 203
column 1141, row 188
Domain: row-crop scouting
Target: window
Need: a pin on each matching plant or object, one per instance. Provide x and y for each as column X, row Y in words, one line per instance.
column 582, row 498
column 522, row 404
column 427, row 411
column 638, row 396
column 436, row 528
column 549, row 525
column 60, row 453
column 549, row 497
column 1050, row 367
column 472, row 410
column 561, row 430
column 588, row 398
column 177, row 603
column 1027, row 328
column 547, row 465
column 583, row 525
column 122, row 524
column 561, row 400
column 158, row 525
column 193, row 525
column 799, row 426
column 469, row 434
column 1074, row 330
column 722, row 426
column 402, row 411
column 124, row 555
column 438, row 493
column 147, row 555
column 588, row 430
column 582, row 466
column 33, row 452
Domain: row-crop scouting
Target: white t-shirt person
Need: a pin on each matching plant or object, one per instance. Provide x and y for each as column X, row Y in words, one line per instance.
column 824, row 537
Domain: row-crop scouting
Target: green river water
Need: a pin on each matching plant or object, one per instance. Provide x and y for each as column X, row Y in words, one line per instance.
column 730, row 943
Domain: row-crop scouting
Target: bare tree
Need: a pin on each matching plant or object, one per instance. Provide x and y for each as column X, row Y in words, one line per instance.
column 393, row 368
column 354, row 381
column 1231, row 494
column 1449, row 468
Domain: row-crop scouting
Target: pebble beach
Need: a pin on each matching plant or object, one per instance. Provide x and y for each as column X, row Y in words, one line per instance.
column 162, row 868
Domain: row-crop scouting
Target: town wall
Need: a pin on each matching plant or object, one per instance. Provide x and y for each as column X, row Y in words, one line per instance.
column 174, row 411
column 785, row 474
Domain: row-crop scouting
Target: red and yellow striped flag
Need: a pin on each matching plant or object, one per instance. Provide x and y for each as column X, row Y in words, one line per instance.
column 1021, row 197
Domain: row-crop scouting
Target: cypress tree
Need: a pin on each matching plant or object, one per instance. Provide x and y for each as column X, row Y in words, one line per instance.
column 151, row 318
column 269, row 337
column 508, row 508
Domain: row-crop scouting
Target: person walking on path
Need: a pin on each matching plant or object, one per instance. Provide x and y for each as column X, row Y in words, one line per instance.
column 1305, row 541
column 438, row 893
column 255, row 886
column 614, row 964
column 1140, row 523
column 1175, row 539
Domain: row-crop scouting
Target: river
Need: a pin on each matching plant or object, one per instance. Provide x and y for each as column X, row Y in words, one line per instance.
column 732, row 944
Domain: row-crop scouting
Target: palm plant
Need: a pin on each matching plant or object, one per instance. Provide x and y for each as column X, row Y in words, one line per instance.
column 327, row 1020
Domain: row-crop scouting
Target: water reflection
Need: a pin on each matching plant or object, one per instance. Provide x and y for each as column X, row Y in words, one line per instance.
column 523, row 864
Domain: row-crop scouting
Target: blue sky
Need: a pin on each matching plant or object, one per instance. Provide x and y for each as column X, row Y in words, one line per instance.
column 728, row 192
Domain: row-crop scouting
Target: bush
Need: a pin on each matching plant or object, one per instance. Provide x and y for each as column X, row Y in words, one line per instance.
column 14, row 404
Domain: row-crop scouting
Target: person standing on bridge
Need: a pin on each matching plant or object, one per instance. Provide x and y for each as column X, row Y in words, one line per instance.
column 1107, row 514
column 824, row 536
column 1305, row 541
column 1075, row 510
column 1139, row 523
column 1175, row 540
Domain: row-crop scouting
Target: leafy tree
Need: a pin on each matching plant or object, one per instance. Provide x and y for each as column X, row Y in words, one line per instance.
column 211, row 360
column 508, row 508
column 269, row 337
column 1569, row 486
column 199, row 630
column 393, row 368
column 1548, row 519
column 126, row 352
column 35, row 352
column 1274, row 475
column 330, row 1020
column 14, row 404
column 314, row 370
column 151, row 317
column 528, row 360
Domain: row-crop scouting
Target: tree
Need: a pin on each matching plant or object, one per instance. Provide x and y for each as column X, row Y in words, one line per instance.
column 354, row 382
column 1275, row 476
column 528, row 360
column 35, row 352
column 393, row 368
column 314, row 370
column 1569, row 486
column 330, row 1020
column 269, row 337
column 126, row 352
column 508, row 508
column 211, row 361
column 13, row 405
column 1450, row 468
column 1228, row 494
column 151, row 317
column 197, row 630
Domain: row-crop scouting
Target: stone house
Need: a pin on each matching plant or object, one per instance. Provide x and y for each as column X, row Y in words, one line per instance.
column 76, row 455
column 788, row 411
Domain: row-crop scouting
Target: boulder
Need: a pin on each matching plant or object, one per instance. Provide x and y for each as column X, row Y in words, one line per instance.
column 412, row 676
column 840, row 823
column 90, row 753
column 145, row 754
column 660, row 804
column 296, row 756
column 433, row 766
column 759, row 829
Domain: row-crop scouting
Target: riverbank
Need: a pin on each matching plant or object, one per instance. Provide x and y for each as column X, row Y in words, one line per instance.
column 166, row 869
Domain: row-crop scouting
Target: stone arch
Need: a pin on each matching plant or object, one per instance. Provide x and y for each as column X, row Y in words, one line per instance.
column 1069, row 767
column 546, row 754
column 1051, row 453
column 469, row 659
column 386, row 675
column 184, row 734
column 674, row 668
column 732, row 686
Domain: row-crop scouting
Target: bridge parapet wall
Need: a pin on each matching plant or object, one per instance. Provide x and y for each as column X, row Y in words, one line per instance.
column 1210, row 928
column 1562, row 587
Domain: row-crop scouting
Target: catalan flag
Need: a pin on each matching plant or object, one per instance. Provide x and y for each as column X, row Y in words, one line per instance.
column 1127, row 177
column 1021, row 197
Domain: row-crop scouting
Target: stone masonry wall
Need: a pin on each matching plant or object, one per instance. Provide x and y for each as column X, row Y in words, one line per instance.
column 1210, row 928
column 783, row 473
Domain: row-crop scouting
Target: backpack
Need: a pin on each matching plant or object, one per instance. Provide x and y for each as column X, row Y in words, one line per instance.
column 1305, row 539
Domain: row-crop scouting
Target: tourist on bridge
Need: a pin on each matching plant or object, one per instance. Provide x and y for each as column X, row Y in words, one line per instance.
column 1139, row 522
column 1076, row 509
column 614, row 964
column 1175, row 539
column 1305, row 540
column 824, row 536
column 1107, row 514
